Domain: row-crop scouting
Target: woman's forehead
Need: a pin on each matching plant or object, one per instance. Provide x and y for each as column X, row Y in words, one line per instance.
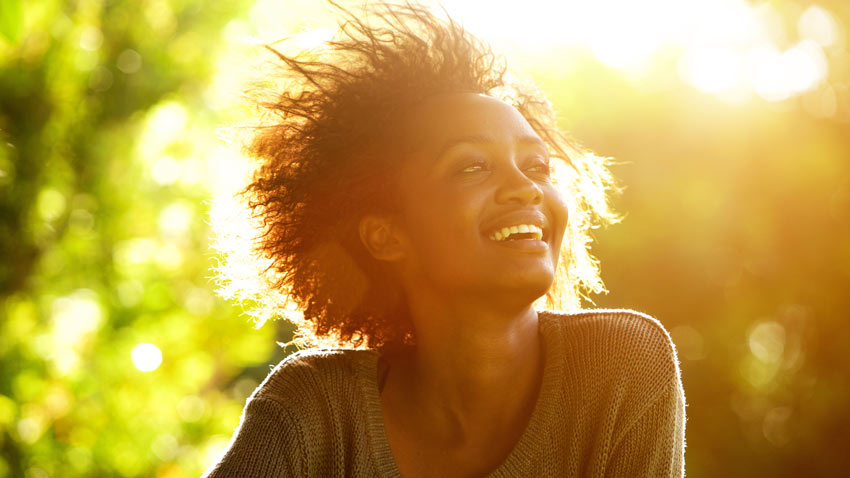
column 445, row 118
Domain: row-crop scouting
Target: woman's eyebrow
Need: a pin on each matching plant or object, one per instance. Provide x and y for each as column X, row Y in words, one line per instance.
column 470, row 138
column 532, row 141
column 486, row 139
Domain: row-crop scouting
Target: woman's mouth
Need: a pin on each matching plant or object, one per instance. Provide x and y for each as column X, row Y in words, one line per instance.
column 517, row 232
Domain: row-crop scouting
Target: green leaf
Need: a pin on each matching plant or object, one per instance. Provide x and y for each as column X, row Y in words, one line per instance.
column 11, row 19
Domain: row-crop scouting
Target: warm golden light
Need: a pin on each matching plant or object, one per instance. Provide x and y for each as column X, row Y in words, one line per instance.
column 727, row 121
column 731, row 48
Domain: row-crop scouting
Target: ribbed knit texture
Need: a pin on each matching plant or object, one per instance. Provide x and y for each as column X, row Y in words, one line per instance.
column 611, row 404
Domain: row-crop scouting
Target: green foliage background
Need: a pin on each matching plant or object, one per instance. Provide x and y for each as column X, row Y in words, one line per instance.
column 735, row 236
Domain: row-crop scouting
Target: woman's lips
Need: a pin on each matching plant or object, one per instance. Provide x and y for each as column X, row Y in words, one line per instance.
column 526, row 245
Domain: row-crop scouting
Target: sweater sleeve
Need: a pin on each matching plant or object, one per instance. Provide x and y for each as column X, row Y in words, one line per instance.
column 654, row 444
column 266, row 444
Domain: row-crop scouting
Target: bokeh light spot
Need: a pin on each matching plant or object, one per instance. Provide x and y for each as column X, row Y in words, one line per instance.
column 767, row 341
column 75, row 318
column 146, row 357
column 165, row 446
column 133, row 252
column 817, row 24
column 779, row 75
column 190, row 408
column 80, row 458
column 50, row 204
column 169, row 257
column 775, row 426
column 29, row 430
column 90, row 38
column 129, row 61
column 175, row 219
column 165, row 124
column 101, row 79
column 165, row 170
column 37, row 472
column 32, row 424
column 129, row 292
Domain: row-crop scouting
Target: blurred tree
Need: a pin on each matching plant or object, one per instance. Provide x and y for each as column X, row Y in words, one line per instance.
column 104, row 128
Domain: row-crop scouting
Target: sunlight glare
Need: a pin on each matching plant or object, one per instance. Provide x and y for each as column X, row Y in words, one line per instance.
column 727, row 22
column 730, row 48
column 767, row 73
column 627, row 40
column 233, row 227
column 230, row 170
column 713, row 69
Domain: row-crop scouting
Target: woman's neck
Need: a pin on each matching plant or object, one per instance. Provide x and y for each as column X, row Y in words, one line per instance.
column 473, row 368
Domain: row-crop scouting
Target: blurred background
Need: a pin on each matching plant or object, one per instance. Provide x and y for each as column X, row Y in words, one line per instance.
column 729, row 121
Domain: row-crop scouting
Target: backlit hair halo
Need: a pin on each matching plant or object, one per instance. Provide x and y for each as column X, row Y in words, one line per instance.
column 323, row 146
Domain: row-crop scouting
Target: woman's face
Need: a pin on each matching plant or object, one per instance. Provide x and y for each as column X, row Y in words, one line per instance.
column 479, row 211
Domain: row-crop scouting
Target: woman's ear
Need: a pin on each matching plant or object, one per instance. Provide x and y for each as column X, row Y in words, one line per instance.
column 381, row 238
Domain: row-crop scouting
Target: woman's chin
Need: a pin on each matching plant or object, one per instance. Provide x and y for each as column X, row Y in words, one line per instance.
column 524, row 287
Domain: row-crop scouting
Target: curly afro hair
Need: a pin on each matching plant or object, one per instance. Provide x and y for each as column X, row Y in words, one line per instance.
column 327, row 152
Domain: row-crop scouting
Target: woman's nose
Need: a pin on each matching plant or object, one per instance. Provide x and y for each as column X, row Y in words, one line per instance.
column 518, row 187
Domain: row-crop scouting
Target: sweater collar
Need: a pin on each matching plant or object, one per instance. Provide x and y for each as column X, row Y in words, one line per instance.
column 525, row 453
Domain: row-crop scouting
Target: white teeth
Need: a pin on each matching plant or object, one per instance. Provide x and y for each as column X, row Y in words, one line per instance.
column 503, row 233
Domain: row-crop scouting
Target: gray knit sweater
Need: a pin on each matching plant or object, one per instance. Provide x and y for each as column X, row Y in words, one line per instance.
column 611, row 404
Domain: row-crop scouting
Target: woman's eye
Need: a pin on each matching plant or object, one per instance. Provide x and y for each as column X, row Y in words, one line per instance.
column 542, row 168
column 474, row 167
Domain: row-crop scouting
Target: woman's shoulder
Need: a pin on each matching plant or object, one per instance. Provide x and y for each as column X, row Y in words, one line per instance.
column 621, row 342
column 313, row 376
column 291, row 424
column 618, row 368
column 620, row 326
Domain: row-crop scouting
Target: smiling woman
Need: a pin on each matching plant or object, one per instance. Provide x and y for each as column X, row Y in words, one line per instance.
column 479, row 170
column 416, row 202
